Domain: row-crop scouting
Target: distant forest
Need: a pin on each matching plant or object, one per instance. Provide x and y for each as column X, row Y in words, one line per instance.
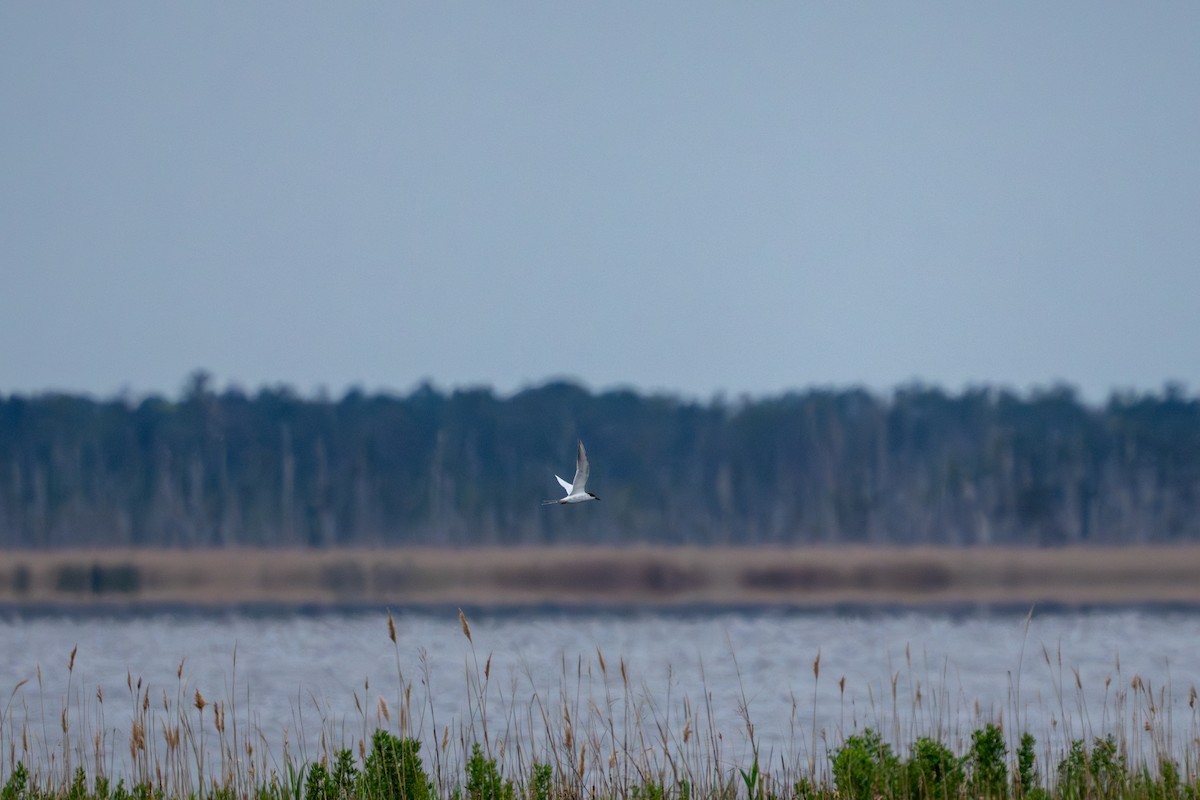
column 919, row 466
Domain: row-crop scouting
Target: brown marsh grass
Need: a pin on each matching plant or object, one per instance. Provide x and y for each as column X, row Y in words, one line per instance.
column 644, row 576
column 600, row 733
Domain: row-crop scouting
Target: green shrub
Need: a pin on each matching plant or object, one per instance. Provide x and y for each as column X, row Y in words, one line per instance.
column 1167, row 785
column 989, row 770
column 648, row 791
column 1072, row 772
column 807, row 789
column 16, row 786
column 1107, row 768
column 933, row 771
column 1027, row 772
column 484, row 781
column 865, row 766
column 78, row 790
column 317, row 786
column 337, row 785
column 543, row 779
column 393, row 770
column 1098, row 773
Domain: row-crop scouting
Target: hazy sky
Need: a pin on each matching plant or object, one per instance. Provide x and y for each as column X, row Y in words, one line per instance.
column 691, row 197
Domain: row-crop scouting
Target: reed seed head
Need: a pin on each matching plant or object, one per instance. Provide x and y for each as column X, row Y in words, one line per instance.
column 71, row 662
column 200, row 702
column 391, row 627
column 466, row 629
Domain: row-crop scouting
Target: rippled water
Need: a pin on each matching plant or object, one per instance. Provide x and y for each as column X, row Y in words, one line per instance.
column 1060, row 675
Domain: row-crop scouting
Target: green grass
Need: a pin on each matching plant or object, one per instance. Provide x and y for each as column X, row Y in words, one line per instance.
column 580, row 746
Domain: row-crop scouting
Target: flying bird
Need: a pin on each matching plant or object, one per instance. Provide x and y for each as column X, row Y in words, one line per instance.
column 576, row 493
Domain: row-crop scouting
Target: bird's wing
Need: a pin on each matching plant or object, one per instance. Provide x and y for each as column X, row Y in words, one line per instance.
column 564, row 484
column 581, row 471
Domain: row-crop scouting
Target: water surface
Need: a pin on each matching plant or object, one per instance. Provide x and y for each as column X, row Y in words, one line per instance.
column 740, row 674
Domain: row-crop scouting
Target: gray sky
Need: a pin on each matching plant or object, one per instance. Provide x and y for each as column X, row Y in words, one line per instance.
column 691, row 197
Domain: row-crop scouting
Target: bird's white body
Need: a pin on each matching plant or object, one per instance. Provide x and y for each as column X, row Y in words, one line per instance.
column 576, row 489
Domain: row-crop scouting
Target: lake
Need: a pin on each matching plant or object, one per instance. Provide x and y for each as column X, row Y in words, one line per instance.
column 737, row 680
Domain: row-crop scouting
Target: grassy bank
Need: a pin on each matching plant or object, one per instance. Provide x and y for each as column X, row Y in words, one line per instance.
column 599, row 576
column 598, row 736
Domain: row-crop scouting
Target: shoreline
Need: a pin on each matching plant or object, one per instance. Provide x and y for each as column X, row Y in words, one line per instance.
column 599, row 577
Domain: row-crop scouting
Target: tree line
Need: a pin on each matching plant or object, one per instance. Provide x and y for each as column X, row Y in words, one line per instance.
column 828, row 466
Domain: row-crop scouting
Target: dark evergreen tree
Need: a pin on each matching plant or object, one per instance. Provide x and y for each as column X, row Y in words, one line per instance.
column 921, row 466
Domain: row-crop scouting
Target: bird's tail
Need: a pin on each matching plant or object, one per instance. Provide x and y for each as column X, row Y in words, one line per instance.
column 549, row 502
